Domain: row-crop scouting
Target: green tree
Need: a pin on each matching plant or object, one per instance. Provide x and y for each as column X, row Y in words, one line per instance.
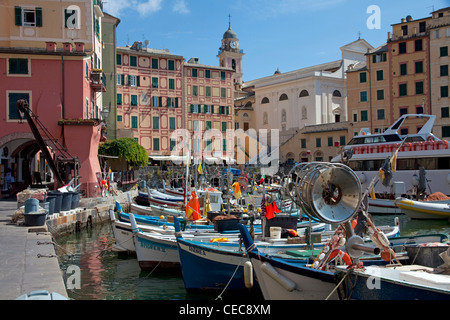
column 128, row 148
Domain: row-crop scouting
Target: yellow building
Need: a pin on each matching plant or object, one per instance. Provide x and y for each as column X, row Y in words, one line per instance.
column 409, row 69
column 439, row 31
column 368, row 93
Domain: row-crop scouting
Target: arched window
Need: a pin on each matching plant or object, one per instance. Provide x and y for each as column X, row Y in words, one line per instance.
column 248, row 105
column 284, row 97
column 304, row 93
column 245, row 115
column 265, row 100
column 337, row 93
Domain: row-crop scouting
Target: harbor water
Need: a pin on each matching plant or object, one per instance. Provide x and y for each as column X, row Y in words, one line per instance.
column 108, row 275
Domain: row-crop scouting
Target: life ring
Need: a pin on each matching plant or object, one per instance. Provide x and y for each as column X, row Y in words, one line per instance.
column 341, row 254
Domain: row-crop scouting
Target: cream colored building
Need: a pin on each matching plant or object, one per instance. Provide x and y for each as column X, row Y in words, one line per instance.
column 439, row 33
column 308, row 96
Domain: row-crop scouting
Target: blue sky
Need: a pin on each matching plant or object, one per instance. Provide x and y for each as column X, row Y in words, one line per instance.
column 284, row 34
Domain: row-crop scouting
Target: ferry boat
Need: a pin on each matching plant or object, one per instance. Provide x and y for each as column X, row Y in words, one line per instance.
column 366, row 153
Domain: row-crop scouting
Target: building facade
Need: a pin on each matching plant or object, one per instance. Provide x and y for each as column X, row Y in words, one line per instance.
column 50, row 55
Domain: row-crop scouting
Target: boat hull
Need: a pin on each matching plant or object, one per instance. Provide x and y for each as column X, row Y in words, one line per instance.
column 383, row 206
column 436, row 210
column 156, row 251
column 381, row 283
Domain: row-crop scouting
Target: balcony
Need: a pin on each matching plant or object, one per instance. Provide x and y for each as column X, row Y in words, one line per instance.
column 98, row 81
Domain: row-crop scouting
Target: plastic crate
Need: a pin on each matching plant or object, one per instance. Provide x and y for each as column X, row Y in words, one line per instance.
column 226, row 224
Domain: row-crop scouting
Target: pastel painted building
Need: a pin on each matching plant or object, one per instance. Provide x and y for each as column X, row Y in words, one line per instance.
column 439, row 33
column 149, row 86
column 50, row 55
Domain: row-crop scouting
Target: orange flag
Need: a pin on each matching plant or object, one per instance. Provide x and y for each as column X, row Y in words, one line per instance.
column 193, row 208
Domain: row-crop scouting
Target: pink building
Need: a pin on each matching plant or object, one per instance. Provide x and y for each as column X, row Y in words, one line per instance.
column 62, row 82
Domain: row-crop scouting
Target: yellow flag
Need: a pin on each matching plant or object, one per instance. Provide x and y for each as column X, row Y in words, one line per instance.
column 372, row 194
column 200, row 169
column 394, row 161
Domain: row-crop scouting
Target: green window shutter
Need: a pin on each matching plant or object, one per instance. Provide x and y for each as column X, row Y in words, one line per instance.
column 224, row 126
column 18, row 15
column 119, row 59
column 176, row 102
column 138, row 81
column 362, row 77
column 154, row 63
column 208, row 125
column 172, row 123
column 228, row 110
column 192, row 108
column 38, row 17
column 212, row 108
column 122, row 82
column 119, row 98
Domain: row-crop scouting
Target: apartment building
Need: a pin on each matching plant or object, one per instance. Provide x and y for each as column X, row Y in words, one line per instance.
column 50, row 55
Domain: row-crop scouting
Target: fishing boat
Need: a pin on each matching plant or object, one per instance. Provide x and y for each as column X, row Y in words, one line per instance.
column 436, row 210
column 152, row 210
column 366, row 153
column 425, row 278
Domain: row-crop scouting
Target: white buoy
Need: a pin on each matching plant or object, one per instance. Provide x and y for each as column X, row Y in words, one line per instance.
column 283, row 281
column 248, row 274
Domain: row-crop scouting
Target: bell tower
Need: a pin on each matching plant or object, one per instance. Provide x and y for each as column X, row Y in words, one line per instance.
column 230, row 55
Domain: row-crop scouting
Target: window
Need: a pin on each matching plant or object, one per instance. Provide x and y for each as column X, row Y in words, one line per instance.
column 402, row 47
column 134, row 100
column 403, row 89
column 265, row 100
column 119, row 99
column 154, row 63
column 445, row 112
column 208, row 125
column 284, row 97
column 363, row 96
column 172, row 123
column 363, row 77
column 155, row 144
column 419, row 87
column 444, row 71
column 208, row 74
column 337, row 93
column 342, row 140
column 224, row 126
column 403, row 111
column 444, row 51
column 222, row 75
column 72, row 18
column 380, row 114
column 194, row 108
column 318, row 142
column 355, row 117
column 419, row 110
column 418, row 45
column 404, row 30
column 208, row 91
column 133, row 61
column 17, row 66
column 155, row 122
column 195, row 91
column 419, row 66
column 422, row 26
column 119, row 59
column 133, row 81
column 380, row 94
column 303, row 93
column 171, row 84
column 171, row 64
column 194, row 73
column 364, row 115
column 12, row 99
column 381, row 57
column 134, row 122
column 154, row 82
column 444, row 91
column 120, row 79
column 173, row 143
column 303, row 143
column 172, row 102
column 119, row 118
column 223, row 92
column 403, row 69
column 330, row 141
column 379, row 75
column 28, row 17
column 157, row 101
column 445, row 131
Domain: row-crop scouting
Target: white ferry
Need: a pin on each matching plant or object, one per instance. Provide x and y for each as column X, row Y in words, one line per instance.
column 369, row 151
